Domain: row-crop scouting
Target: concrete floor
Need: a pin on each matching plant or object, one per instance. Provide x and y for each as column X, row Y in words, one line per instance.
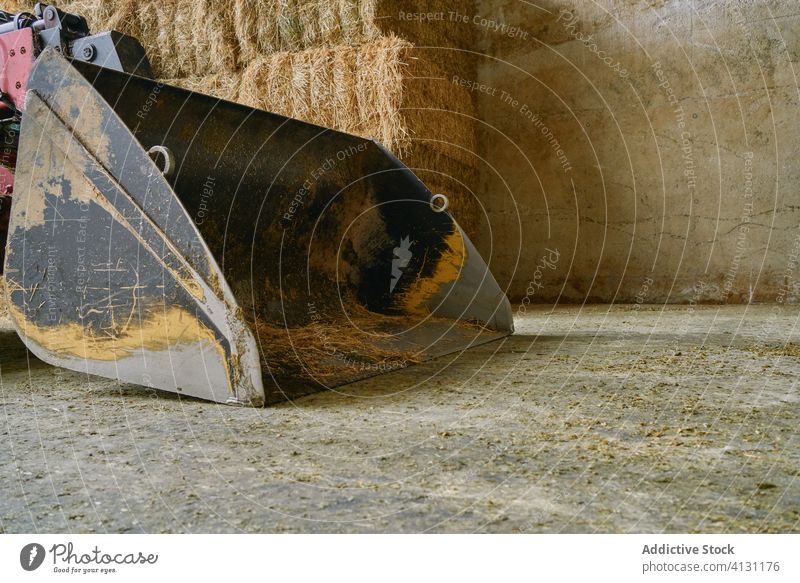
column 587, row 420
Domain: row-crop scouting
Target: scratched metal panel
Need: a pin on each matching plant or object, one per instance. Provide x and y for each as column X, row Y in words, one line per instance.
column 330, row 246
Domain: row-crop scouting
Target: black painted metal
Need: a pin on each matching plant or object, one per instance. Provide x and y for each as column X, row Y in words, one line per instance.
column 303, row 221
column 112, row 50
column 241, row 174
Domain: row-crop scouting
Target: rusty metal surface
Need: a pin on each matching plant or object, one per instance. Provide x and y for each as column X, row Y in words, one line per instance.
column 328, row 246
column 95, row 283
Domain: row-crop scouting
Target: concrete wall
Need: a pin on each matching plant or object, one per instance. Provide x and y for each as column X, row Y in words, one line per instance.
column 640, row 150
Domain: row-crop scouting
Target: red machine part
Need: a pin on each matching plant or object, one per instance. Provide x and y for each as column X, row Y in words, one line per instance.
column 16, row 58
column 6, row 184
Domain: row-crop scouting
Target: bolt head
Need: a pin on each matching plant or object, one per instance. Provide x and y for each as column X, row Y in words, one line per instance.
column 89, row 52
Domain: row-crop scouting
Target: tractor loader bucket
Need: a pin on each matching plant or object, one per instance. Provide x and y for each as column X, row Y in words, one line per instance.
column 174, row 240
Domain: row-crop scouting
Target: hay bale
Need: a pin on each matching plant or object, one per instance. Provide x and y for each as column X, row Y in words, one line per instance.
column 215, row 43
column 271, row 26
column 445, row 39
column 438, row 111
column 379, row 90
column 182, row 38
column 96, row 12
column 198, row 37
column 15, row 6
column 223, row 86
column 352, row 89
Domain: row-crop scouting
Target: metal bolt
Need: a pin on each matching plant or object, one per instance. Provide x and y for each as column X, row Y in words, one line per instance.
column 89, row 53
column 439, row 203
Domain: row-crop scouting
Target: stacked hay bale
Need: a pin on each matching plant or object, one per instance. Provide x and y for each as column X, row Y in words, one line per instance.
column 199, row 37
column 379, row 89
column 14, row 6
column 367, row 67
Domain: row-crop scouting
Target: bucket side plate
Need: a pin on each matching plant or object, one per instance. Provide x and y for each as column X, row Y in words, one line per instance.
column 95, row 282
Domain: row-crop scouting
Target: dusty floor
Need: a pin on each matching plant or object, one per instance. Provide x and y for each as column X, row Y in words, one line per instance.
column 593, row 419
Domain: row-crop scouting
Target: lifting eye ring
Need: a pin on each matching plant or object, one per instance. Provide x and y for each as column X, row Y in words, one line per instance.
column 439, row 203
column 162, row 154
